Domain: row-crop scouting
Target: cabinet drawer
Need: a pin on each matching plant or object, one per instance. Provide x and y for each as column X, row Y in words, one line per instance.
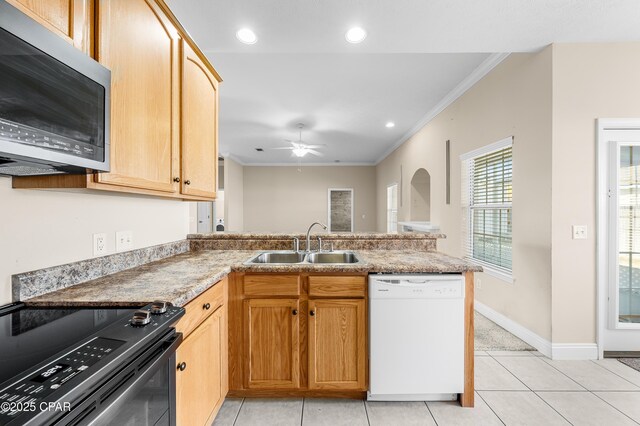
column 201, row 307
column 337, row 286
column 271, row 285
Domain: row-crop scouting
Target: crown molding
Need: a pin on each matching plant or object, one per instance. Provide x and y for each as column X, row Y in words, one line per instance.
column 308, row 164
column 476, row 75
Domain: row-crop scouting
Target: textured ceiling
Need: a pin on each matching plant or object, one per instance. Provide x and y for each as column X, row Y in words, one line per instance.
column 417, row 51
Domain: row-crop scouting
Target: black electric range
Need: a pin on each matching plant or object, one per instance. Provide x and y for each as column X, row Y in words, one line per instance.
column 88, row 365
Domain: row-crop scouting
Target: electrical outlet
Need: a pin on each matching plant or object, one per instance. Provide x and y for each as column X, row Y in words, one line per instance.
column 579, row 232
column 478, row 284
column 99, row 244
column 124, row 240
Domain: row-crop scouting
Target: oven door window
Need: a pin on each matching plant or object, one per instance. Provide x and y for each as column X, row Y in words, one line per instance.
column 149, row 406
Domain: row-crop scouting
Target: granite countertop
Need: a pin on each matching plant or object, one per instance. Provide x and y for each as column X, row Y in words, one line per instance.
column 327, row 236
column 179, row 279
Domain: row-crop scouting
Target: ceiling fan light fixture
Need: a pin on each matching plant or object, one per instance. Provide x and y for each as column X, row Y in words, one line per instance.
column 355, row 35
column 246, row 36
column 300, row 152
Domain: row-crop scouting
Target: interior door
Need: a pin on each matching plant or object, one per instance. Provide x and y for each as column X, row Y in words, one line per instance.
column 621, row 331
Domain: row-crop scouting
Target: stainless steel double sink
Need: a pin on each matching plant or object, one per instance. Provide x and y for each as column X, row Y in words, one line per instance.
column 292, row 257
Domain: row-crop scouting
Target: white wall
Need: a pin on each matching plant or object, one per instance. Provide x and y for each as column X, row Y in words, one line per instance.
column 234, row 195
column 590, row 81
column 514, row 99
column 283, row 199
column 40, row 229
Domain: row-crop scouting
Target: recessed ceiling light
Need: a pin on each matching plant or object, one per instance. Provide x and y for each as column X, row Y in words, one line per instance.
column 390, row 124
column 355, row 35
column 246, row 36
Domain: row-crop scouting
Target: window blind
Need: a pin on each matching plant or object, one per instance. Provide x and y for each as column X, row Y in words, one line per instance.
column 487, row 177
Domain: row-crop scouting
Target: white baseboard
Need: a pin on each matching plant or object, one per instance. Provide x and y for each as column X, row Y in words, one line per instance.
column 574, row 351
column 540, row 343
column 554, row 351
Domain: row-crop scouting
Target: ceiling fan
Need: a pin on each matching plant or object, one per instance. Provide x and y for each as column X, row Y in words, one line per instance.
column 299, row 148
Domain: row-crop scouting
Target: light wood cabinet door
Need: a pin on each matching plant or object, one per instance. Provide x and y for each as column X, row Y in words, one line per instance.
column 70, row 19
column 199, row 385
column 140, row 47
column 271, row 341
column 337, row 344
column 199, row 138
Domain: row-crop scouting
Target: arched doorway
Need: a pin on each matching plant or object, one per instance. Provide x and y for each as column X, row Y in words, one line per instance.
column 420, row 196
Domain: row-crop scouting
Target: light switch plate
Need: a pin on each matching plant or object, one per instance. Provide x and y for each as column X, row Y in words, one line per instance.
column 579, row 232
column 124, row 240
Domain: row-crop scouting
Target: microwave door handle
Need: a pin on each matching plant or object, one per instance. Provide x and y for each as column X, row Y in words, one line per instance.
column 139, row 382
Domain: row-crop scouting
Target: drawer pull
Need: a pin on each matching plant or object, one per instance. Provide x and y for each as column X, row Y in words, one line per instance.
column 187, row 182
column 294, row 312
column 176, row 179
column 182, row 366
column 312, row 313
column 206, row 306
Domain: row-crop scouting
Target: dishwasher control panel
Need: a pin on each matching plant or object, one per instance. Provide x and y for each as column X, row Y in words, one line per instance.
column 416, row 286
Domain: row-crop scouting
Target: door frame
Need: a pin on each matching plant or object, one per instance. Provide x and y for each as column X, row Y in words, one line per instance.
column 602, row 218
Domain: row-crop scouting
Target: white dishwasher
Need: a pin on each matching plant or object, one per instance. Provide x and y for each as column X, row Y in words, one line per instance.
column 416, row 337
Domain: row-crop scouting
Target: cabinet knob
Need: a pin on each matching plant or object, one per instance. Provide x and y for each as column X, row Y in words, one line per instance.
column 182, row 366
column 187, row 182
column 294, row 312
column 312, row 313
column 176, row 179
column 206, row 306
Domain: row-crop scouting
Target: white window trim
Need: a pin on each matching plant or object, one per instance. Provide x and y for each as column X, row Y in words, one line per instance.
column 489, row 268
column 503, row 143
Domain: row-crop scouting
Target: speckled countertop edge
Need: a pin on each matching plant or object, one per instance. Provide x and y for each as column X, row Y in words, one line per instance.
column 183, row 277
column 327, row 236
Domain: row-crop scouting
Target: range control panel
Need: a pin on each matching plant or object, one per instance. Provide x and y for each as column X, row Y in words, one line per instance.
column 30, row 391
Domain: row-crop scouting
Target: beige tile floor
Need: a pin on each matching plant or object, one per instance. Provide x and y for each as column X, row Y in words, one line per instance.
column 512, row 388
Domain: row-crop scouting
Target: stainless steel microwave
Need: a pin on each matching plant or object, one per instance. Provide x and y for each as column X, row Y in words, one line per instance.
column 54, row 102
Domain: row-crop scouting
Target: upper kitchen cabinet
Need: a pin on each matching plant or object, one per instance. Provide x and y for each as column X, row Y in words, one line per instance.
column 70, row 19
column 199, row 141
column 139, row 45
column 164, row 105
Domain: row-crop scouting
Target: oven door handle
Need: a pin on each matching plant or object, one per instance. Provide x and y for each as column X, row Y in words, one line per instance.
column 141, row 379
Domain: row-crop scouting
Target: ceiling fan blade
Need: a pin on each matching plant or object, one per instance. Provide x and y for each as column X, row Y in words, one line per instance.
column 315, row 146
column 314, row 152
column 282, row 147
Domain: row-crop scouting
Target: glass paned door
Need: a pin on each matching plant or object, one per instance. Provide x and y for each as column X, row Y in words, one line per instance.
column 618, row 243
column 628, row 218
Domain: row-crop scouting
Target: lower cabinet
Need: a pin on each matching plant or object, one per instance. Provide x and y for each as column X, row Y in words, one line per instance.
column 273, row 350
column 298, row 335
column 337, row 344
column 201, row 376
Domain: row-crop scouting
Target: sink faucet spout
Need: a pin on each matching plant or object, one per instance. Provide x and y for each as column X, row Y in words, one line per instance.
column 308, row 240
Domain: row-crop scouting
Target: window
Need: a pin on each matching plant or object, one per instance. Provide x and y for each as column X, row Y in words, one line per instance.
column 392, row 208
column 487, row 206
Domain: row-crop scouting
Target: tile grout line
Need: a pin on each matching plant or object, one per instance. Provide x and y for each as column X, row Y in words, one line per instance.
column 430, row 413
column 527, row 386
column 616, row 374
column 490, row 408
column 366, row 412
column 510, row 372
column 235, row 419
column 614, row 407
column 552, row 407
column 566, row 375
